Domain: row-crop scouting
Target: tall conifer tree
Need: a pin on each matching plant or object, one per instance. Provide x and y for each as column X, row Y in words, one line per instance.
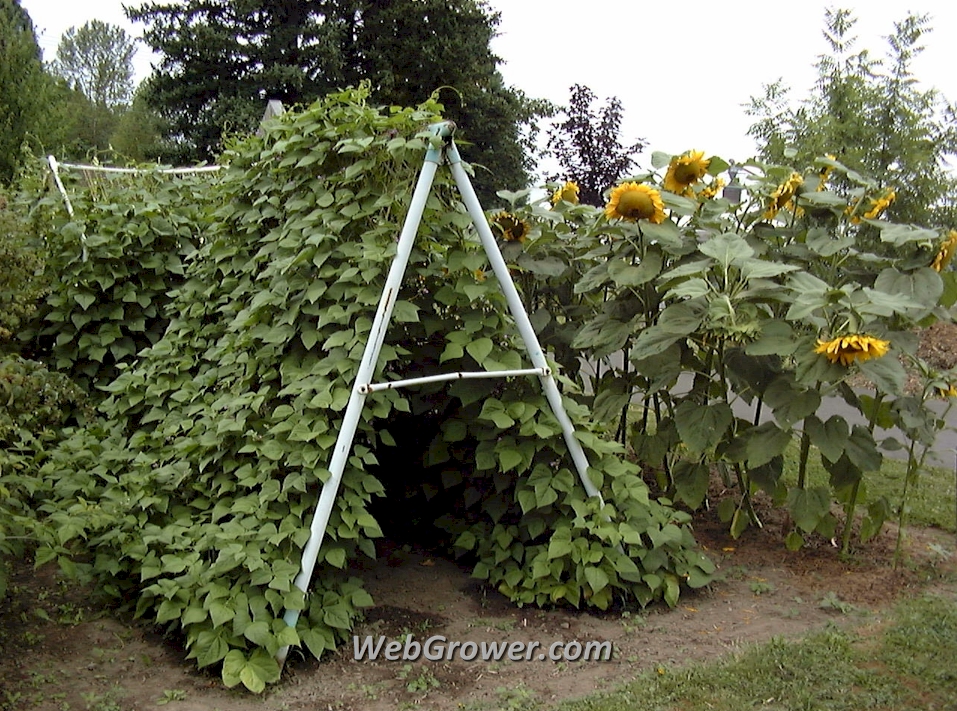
column 223, row 59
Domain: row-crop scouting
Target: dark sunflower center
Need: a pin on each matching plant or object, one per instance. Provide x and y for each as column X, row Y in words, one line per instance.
column 685, row 173
column 636, row 205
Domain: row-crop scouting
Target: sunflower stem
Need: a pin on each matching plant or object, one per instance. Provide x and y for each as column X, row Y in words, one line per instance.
column 623, row 422
column 902, row 511
column 802, row 464
column 746, row 495
column 855, row 490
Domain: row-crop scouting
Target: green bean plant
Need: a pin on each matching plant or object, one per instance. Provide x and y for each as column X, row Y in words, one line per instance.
column 190, row 498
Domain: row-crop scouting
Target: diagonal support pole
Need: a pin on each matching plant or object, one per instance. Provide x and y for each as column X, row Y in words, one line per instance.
column 363, row 383
column 367, row 365
column 517, row 309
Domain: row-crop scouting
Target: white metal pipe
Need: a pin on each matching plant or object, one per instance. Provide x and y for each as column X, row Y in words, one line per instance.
column 517, row 309
column 395, row 384
column 166, row 171
column 55, row 169
column 367, row 366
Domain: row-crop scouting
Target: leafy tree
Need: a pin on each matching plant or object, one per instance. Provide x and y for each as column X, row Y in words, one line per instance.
column 97, row 59
column 588, row 147
column 95, row 72
column 137, row 135
column 873, row 116
column 23, row 84
column 223, row 60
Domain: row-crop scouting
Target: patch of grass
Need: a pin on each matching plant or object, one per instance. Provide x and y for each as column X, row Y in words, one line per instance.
column 420, row 683
column 931, row 501
column 761, row 586
column 907, row 667
column 502, row 624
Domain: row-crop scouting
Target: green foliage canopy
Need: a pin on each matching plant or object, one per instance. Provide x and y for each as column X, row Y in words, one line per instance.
column 874, row 117
column 97, row 60
column 223, row 60
column 23, row 85
column 196, row 490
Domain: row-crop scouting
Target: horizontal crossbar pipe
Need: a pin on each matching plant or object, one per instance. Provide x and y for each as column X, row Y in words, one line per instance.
column 395, row 384
column 170, row 171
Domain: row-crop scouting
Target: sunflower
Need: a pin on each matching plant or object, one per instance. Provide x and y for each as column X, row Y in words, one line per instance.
column 568, row 192
column 511, row 228
column 946, row 252
column 878, row 206
column 825, row 172
column 684, row 171
column 947, row 390
column 847, row 349
column 783, row 196
column 712, row 190
column 634, row 201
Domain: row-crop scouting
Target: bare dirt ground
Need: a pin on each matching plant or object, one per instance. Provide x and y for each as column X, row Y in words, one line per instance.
column 63, row 652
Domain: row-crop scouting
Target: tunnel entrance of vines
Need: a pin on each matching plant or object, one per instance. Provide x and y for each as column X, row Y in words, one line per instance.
column 430, row 495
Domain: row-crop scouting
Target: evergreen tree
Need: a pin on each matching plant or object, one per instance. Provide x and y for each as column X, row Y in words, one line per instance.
column 873, row 117
column 23, row 85
column 223, row 59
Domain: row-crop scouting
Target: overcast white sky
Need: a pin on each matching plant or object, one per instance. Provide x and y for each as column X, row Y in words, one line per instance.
column 682, row 70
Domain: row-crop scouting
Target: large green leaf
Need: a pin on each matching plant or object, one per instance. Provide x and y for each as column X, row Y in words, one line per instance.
column 603, row 335
column 728, row 249
column 624, row 274
column 777, row 338
column 886, row 373
column 900, row 235
column 862, row 450
column 701, row 427
column 479, row 349
column 790, row 402
column 691, row 482
column 830, row 437
column 544, row 266
column 923, row 286
column 766, row 442
column 808, row 506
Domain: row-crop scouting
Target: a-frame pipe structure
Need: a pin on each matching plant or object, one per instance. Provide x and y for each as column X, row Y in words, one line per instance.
column 443, row 149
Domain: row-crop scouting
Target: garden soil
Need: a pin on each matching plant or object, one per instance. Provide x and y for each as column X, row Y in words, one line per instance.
column 64, row 651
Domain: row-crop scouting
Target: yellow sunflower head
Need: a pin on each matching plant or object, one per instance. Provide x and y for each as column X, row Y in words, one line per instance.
column 824, row 173
column 947, row 390
column 946, row 253
column 568, row 192
column 710, row 191
column 685, row 170
column 880, row 204
column 510, row 227
column 783, row 196
column 635, row 201
column 855, row 347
